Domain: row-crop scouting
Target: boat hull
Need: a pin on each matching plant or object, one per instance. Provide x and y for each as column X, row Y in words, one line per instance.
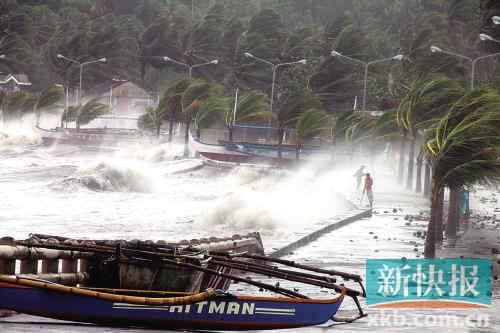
column 225, row 312
column 89, row 137
column 229, row 154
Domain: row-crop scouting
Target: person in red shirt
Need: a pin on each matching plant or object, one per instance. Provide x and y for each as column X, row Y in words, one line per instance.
column 368, row 189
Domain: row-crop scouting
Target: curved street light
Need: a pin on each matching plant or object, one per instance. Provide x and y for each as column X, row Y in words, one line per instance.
column 486, row 37
column 81, row 64
column 366, row 64
column 190, row 67
column 275, row 68
column 473, row 61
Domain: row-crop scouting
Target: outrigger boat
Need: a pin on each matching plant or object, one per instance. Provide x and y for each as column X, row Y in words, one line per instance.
column 204, row 309
column 209, row 310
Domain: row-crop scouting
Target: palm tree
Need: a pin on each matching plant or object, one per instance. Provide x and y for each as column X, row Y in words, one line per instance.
column 16, row 104
column 152, row 119
column 297, row 100
column 211, row 111
column 464, row 149
column 250, row 107
column 47, row 98
column 170, row 104
column 191, row 100
column 84, row 113
column 427, row 98
column 311, row 123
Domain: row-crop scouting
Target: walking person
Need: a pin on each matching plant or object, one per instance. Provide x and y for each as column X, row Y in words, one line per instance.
column 368, row 189
column 359, row 176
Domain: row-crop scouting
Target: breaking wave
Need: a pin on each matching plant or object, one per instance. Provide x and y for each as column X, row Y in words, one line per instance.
column 109, row 177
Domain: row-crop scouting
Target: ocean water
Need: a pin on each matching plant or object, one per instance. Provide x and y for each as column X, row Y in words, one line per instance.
column 149, row 192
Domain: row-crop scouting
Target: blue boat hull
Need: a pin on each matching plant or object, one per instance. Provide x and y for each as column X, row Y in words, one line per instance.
column 225, row 312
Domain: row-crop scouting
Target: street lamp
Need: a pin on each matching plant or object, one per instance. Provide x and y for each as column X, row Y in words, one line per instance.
column 496, row 19
column 275, row 68
column 473, row 61
column 81, row 64
column 190, row 67
column 485, row 37
column 366, row 64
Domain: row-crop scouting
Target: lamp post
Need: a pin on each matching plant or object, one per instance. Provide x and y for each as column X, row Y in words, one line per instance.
column 473, row 61
column 81, row 64
column 485, row 37
column 190, row 67
column 275, row 69
column 366, row 64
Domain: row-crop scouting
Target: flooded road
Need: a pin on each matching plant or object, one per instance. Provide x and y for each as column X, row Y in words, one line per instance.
column 148, row 192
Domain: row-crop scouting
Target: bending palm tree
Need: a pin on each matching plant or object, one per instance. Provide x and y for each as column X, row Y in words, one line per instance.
column 191, row 100
column 310, row 124
column 84, row 113
column 46, row 99
column 464, row 149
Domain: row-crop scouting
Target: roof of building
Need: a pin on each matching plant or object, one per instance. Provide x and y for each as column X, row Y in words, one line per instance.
column 19, row 79
column 120, row 88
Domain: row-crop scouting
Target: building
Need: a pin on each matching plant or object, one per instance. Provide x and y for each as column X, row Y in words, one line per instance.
column 124, row 97
column 13, row 82
column 127, row 102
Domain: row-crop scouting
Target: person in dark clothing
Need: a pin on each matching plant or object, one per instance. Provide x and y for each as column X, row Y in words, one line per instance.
column 359, row 176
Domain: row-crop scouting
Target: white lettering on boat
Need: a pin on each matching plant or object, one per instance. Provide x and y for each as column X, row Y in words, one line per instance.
column 200, row 306
column 212, row 307
column 233, row 308
column 248, row 308
column 217, row 308
column 176, row 308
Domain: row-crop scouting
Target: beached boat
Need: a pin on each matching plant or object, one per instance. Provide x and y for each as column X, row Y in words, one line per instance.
column 89, row 136
column 114, row 263
column 209, row 310
column 252, row 148
column 162, row 285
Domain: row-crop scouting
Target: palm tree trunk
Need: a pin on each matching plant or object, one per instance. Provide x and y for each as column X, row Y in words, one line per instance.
column 453, row 216
column 231, row 133
column 171, row 128
column 411, row 160
column 186, row 137
column 158, row 126
column 434, row 225
column 418, row 185
column 297, row 151
column 427, row 179
column 401, row 158
column 439, row 220
column 280, row 142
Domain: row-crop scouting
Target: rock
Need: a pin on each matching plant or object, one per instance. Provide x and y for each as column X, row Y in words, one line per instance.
column 394, row 210
column 375, row 237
